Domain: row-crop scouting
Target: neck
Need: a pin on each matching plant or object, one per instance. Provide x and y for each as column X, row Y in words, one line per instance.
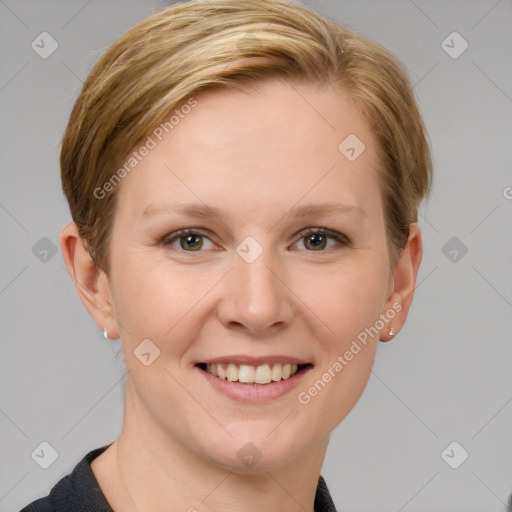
column 149, row 472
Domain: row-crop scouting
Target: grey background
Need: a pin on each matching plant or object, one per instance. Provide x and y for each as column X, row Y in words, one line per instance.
column 446, row 376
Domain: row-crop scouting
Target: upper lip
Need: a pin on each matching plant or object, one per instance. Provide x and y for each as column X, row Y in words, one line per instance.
column 254, row 361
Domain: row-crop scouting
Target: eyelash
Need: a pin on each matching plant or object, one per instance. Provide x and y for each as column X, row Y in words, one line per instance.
column 340, row 238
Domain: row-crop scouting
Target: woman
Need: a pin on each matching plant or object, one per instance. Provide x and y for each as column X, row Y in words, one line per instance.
column 244, row 178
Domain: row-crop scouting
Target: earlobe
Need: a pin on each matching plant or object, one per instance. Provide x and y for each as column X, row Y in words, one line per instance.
column 403, row 284
column 90, row 282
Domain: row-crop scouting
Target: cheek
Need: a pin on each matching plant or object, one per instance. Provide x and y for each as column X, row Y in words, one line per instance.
column 349, row 303
column 346, row 299
column 157, row 299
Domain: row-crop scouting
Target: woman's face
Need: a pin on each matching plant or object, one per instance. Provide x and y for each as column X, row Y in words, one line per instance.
column 254, row 177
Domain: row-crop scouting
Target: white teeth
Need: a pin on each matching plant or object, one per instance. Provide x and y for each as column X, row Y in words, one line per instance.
column 276, row 372
column 232, row 372
column 262, row 374
column 246, row 373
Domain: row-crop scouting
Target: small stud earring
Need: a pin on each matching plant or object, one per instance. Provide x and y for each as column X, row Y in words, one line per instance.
column 105, row 332
column 391, row 331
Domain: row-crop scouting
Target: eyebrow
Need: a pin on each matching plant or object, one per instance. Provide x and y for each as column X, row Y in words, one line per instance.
column 201, row 211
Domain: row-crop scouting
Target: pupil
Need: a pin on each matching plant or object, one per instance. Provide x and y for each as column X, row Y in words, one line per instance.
column 317, row 240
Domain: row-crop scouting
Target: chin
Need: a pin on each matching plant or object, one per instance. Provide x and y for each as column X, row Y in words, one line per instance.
column 263, row 453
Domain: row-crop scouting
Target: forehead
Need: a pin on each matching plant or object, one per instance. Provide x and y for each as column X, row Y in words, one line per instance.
column 276, row 145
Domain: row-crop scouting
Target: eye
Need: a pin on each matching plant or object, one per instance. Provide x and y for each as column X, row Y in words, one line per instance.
column 316, row 239
column 189, row 240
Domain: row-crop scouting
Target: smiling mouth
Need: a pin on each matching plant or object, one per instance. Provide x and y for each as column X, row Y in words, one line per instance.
column 248, row 374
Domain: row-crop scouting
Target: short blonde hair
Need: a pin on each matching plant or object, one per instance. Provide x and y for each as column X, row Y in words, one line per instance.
column 179, row 51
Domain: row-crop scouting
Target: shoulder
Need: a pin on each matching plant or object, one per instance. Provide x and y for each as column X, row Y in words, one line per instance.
column 77, row 492
column 58, row 499
column 40, row 505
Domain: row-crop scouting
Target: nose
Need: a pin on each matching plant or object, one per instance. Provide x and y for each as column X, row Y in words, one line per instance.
column 254, row 297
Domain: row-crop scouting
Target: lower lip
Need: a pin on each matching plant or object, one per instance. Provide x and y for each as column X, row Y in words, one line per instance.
column 254, row 393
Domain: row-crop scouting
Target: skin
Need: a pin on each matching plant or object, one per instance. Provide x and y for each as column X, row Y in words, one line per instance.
column 255, row 156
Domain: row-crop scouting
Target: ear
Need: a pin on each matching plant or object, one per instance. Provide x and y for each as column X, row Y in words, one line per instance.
column 92, row 284
column 403, row 283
